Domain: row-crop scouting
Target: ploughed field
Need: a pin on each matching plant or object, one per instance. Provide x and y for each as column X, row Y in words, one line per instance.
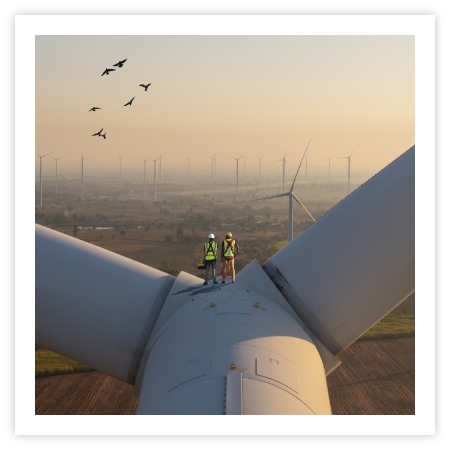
column 375, row 377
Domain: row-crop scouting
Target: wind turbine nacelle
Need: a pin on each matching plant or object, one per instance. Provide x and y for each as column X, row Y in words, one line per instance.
column 229, row 350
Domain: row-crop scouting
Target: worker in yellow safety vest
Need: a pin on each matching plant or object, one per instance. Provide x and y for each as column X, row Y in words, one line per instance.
column 230, row 250
column 210, row 256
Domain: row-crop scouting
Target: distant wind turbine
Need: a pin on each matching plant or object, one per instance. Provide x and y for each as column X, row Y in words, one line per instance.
column 82, row 174
column 145, row 171
column 349, row 159
column 329, row 166
column 154, row 175
column 189, row 160
column 40, row 172
column 56, row 175
column 292, row 196
column 260, row 159
column 237, row 175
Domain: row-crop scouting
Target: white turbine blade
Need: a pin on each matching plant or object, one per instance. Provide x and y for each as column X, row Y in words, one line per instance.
column 264, row 198
column 95, row 306
column 303, row 206
column 352, row 151
column 356, row 263
column 293, row 183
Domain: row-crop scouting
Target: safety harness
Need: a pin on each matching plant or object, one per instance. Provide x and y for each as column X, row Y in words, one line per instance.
column 228, row 251
column 211, row 251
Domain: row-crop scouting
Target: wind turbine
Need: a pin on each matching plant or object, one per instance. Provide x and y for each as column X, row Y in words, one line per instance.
column 263, row 345
column 40, row 172
column 154, row 175
column 56, row 175
column 145, row 173
column 259, row 178
column 237, row 174
column 82, row 174
column 189, row 160
column 291, row 196
column 329, row 166
column 348, row 158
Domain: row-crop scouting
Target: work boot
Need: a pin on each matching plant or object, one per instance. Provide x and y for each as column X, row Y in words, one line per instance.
column 223, row 281
column 215, row 282
column 205, row 283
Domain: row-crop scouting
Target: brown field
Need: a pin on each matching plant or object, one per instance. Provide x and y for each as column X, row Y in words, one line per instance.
column 375, row 377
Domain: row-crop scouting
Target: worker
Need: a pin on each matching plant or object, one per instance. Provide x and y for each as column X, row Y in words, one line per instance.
column 230, row 250
column 210, row 255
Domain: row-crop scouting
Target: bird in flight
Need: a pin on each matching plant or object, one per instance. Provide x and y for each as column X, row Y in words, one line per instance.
column 103, row 135
column 120, row 63
column 97, row 134
column 107, row 71
column 145, row 86
column 94, row 108
column 129, row 103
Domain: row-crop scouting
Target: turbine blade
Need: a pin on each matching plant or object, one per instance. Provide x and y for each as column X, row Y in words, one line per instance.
column 293, row 183
column 353, row 151
column 303, row 206
column 355, row 264
column 264, row 198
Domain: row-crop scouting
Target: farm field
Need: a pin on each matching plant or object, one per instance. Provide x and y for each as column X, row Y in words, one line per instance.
column 375, row 378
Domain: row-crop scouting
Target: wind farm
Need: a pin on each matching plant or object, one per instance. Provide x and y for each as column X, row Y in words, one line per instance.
column 120, row 232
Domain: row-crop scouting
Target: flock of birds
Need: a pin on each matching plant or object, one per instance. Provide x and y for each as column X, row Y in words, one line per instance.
column 106, row 72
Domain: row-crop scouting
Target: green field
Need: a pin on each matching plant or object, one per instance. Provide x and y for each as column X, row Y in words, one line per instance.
column 50, row 363
column 391, row 327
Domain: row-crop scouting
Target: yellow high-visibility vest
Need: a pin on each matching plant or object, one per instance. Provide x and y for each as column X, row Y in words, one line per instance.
column 211, row 250
column 228, row 248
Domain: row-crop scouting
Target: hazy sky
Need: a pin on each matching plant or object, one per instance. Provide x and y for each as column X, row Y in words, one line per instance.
column 226, row 94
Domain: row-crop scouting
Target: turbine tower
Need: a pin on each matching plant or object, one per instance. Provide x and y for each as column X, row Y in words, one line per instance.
column 237, row 174
column 56, row 175
column 82, row 174
column 291, row 196
column 145, row 173
column 348, row 158
column 329, row 166
column 40, row 173
column 154, row 175
column 189, row 160
column 263, row 345
column 259, row 177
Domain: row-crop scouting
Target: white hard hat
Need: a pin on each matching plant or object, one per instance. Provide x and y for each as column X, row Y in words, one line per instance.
column 211, row 236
